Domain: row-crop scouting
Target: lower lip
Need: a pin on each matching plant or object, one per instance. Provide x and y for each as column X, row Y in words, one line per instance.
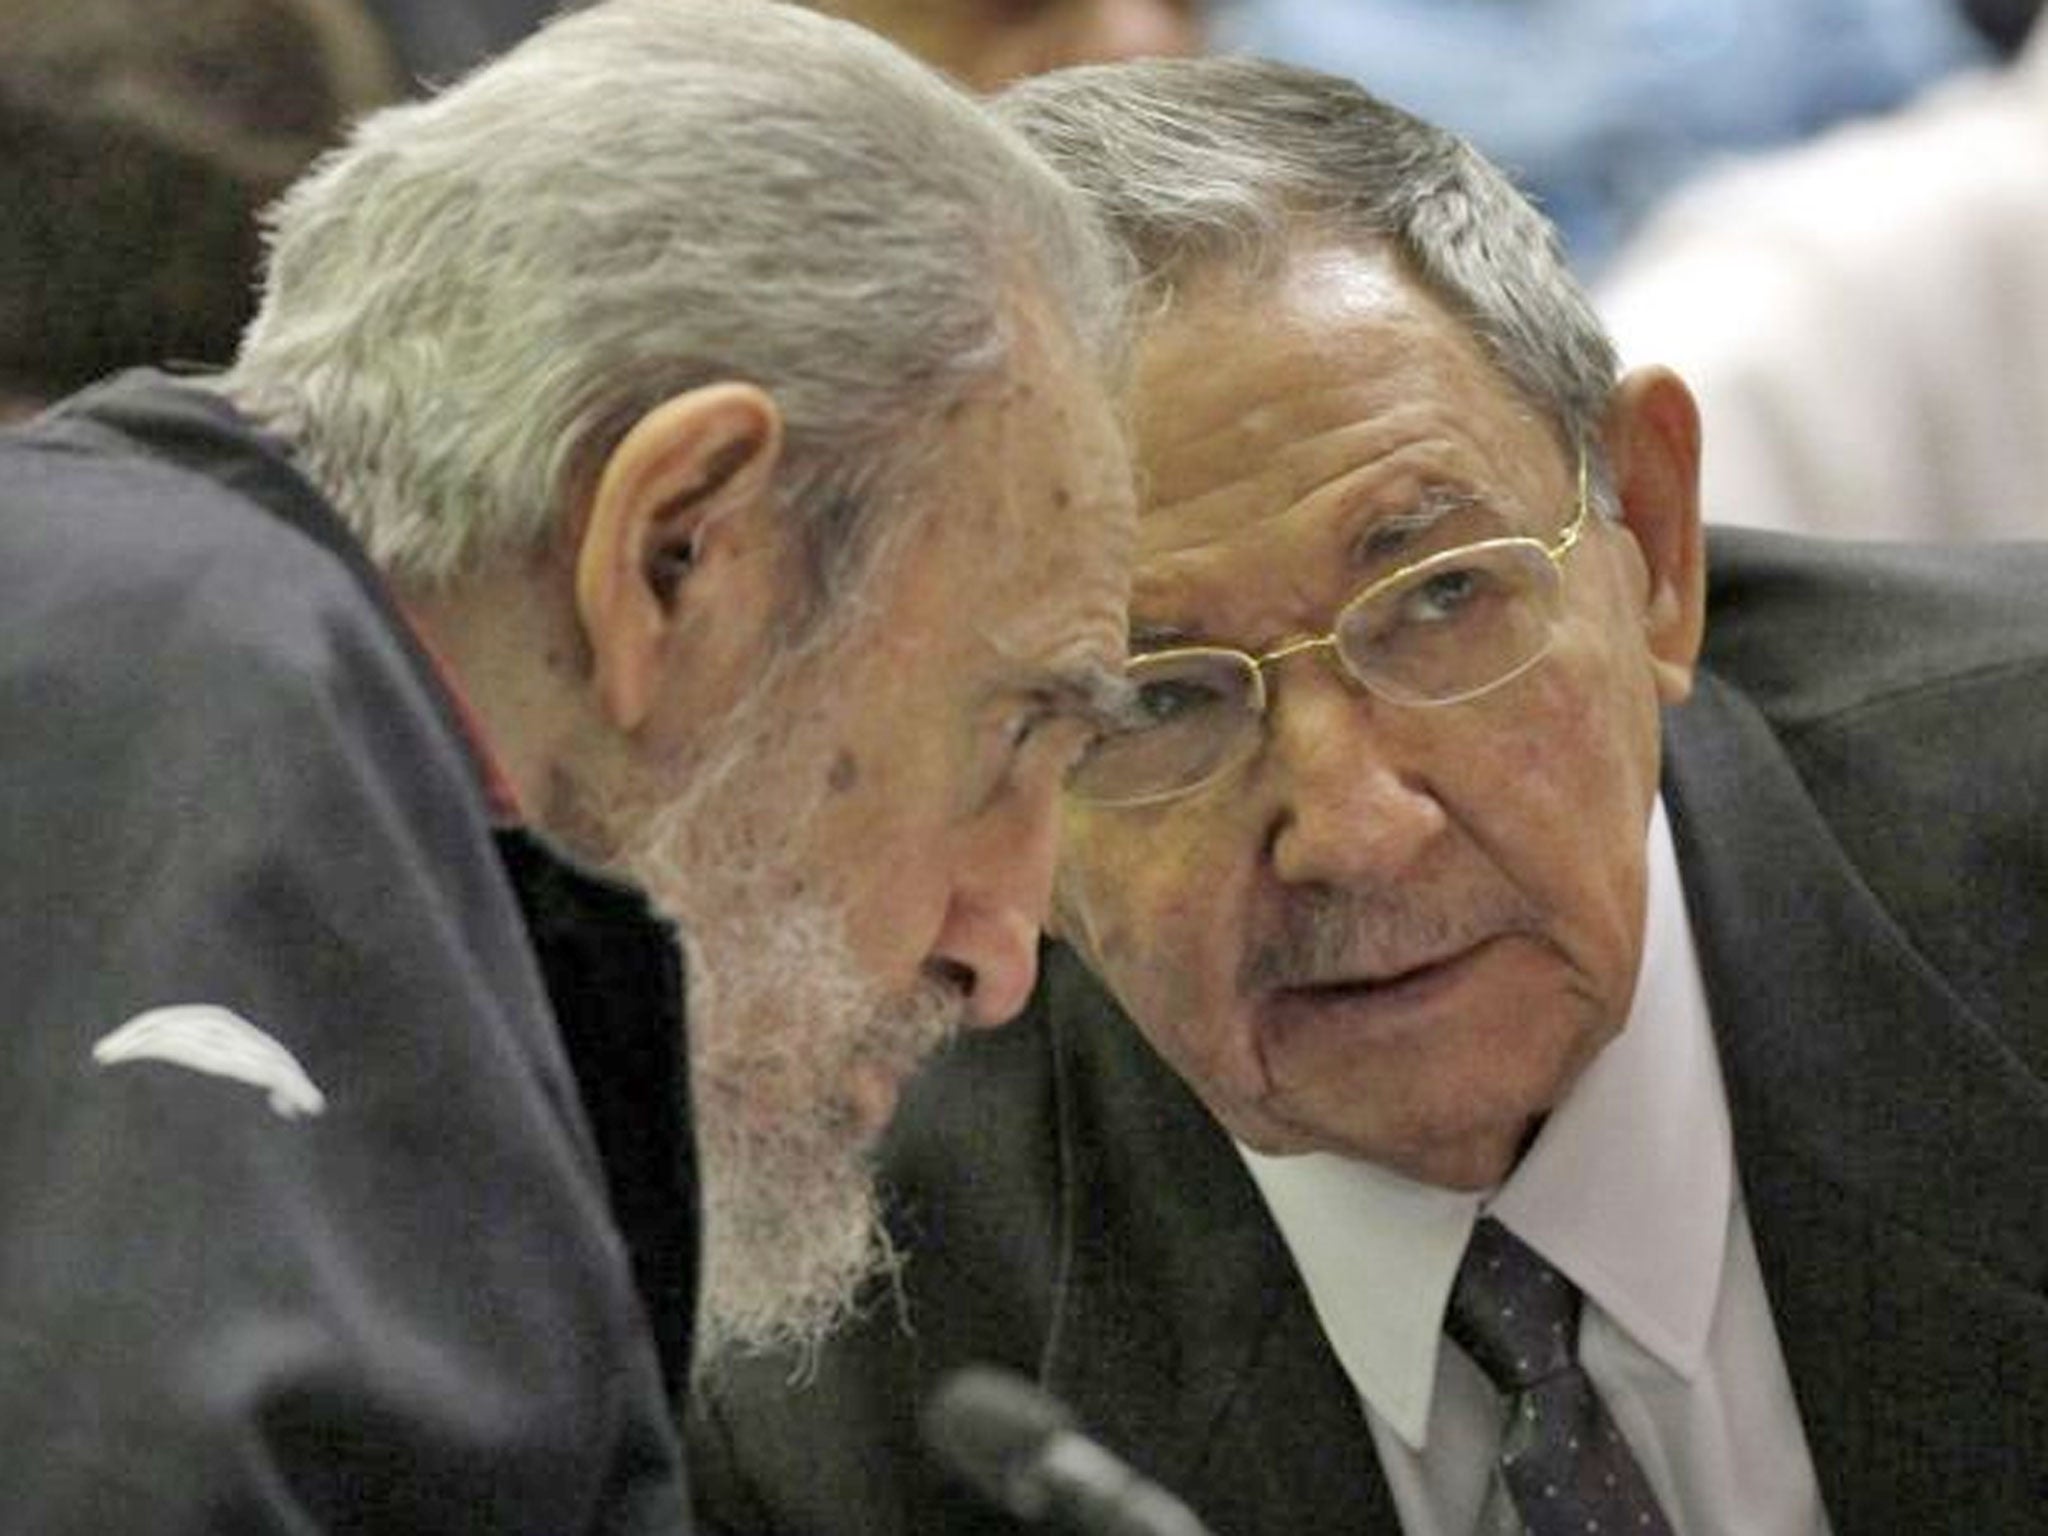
column 1382, row 1013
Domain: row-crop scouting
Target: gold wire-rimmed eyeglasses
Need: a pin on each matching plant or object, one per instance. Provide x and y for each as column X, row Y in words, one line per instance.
column 1442, row 630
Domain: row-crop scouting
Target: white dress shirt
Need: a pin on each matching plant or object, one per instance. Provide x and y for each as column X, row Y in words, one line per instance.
column 1630, row 1190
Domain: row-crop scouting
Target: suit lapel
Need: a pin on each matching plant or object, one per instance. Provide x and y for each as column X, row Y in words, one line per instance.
column 1891, row 1156
column 1182, row 1335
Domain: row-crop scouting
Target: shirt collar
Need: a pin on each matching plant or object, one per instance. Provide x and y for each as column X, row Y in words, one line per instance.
column 1626, row 1189
column 1378, row 1253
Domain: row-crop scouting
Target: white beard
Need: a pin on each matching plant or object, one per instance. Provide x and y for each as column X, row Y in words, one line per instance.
column 793, row 1228
column 780, row 1013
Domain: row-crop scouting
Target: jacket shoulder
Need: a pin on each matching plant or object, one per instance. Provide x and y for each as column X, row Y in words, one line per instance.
column 1814, row 630
column 1906, row 686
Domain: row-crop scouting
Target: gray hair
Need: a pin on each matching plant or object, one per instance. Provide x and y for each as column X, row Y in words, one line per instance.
column 1230, row 163
column 468, row 305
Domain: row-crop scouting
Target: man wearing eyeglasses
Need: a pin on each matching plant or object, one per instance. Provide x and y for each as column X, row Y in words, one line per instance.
column 1552, row 1032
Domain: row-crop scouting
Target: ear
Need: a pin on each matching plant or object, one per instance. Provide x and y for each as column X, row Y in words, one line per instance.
column 680, row 501
column 1652, row 433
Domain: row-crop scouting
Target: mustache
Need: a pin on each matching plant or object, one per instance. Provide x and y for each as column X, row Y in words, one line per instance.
column 1330, row 934
column 896, row 1030
column 909, row 1028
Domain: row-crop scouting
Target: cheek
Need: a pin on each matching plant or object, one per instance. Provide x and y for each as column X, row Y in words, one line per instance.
column 1581, row 753
column 880, row 848
column 1565, row 809
column 1159, row 915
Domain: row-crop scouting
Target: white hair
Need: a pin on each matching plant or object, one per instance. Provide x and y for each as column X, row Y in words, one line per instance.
column 470, row 303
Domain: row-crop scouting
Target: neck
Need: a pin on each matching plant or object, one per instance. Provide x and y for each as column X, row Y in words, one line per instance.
column 510, row 658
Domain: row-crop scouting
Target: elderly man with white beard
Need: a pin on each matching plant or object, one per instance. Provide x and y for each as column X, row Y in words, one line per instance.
column 668, row 489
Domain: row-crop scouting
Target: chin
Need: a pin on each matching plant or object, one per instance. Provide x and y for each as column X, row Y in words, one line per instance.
column 1456, row 1130
column 1474, row 1162
column 791, row 1244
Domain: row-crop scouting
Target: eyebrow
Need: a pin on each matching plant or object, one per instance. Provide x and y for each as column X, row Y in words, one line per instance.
column 1159, row 637
column 1099, row 697
column 1435, row 501
column 1432, row 504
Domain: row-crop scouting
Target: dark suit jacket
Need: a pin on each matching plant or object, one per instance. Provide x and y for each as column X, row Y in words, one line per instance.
column 1859, row 795
column 230, row 775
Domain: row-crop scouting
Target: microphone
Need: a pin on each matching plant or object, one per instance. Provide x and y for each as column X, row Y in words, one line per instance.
column 1019, row 1449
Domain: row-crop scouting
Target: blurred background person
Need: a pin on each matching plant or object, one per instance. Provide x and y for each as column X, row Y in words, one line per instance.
column 1865, row 318
column 1600, row 107
column 436, row 39
column 137, row 142
column 982, row 43
column 988, row 43
column 2004, row 23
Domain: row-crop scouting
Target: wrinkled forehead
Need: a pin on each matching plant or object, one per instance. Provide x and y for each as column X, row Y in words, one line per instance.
column 1051, row 444
column 1278, row 421
column 1031, row 513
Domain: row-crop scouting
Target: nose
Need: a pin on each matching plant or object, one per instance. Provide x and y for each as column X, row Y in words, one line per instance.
column 988, row 941
column 1349, row 806
column 1143, row 29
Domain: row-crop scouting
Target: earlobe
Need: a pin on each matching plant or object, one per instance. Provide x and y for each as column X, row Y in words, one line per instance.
column 676, row 498
column 1652, row 434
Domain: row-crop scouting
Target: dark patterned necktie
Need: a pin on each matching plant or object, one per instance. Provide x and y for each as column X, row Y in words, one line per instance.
column 1564, row 1463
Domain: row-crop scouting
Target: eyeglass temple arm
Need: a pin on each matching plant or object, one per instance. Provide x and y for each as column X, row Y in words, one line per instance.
column 1571, row 535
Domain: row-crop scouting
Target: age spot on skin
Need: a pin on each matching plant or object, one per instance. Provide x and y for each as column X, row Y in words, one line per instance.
column 844, row 774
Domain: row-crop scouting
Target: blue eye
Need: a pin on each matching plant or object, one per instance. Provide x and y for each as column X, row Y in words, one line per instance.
column 1446, row 595
column 1167, row 699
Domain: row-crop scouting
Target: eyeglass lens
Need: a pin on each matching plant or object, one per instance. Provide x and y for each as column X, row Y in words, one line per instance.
column 1456, row 625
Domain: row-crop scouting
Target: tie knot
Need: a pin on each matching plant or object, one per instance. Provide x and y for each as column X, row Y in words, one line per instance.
column 1511, row 1311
